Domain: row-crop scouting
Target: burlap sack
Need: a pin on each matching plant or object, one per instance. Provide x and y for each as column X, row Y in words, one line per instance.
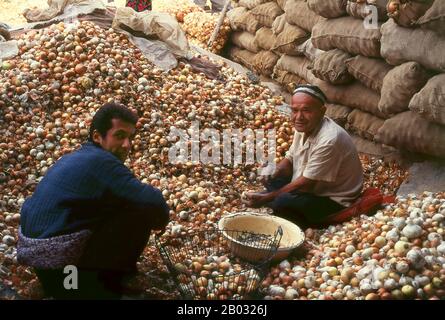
column 399, row 86
column 297, row 12
column 408, row 130
column 359, row 9
column 266, row 13
column 373, row 148
column 154, row 24
column 289, row 39
column 348, row 34
column 353, row 95
column 298, row 66
column 328, row 8
column 278, row 24
column 338, row 113
column 264, row 38
column 287, row 79
column 264, row 62
column 364, row 124
column 400, row 45
column 242, row 20
column 245, row 40
column 56, row 7
column 282, row 4
column 250, row 4
column 430, row 101
column 369, row 71
column 407, row 12
column 434, row 18
column 308, row 50
column 243, row 57
column 330, row 66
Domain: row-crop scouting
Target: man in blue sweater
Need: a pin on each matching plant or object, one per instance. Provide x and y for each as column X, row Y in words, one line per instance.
column 90, row 211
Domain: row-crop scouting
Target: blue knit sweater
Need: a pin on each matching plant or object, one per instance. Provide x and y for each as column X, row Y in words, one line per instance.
column 81, row 189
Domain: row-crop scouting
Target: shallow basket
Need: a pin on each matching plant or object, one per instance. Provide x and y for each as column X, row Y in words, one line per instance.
column 205, row 266
column 292, row 236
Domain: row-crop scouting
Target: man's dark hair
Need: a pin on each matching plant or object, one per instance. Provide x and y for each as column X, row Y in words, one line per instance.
column 102, row 119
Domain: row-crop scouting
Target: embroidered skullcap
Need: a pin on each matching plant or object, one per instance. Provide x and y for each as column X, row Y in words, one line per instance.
column 313, row 91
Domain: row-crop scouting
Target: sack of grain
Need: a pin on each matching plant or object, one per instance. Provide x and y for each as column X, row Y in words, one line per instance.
column 245, row 40
column 362, row 9
column 242, row 20
column 353, row 95
column 308, row 50
column 406, row 12
column 364, row 124
column 434, row 18
column 282, row 4
column 401, row 45
column 348, row 34
column 264, row 62
column 243, row 57
column 328, row 8
column 298, row 66
column 297, row 12
column 430, row 101
column 266, row 13
column 250, row 4
column 287, row 79
column 369, row 71
column 289, row 39
column 278, row 24
column 400, row 85
column 338, row 113
column 373, row 148
column 410, row 131
column 331, row 66
column 264, row 38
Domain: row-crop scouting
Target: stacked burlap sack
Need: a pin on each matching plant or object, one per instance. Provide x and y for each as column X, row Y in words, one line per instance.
column 380, row 69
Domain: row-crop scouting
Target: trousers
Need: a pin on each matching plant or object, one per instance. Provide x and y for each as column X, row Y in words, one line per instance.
column 109, row 256
column 304, row 209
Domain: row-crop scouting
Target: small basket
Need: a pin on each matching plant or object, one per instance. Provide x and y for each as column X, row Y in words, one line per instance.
column 204, row 264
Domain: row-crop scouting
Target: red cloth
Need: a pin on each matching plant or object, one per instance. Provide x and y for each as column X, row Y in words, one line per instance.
column 370, row 200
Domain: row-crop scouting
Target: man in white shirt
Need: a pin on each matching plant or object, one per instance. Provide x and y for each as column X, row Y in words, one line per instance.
column 321, row 173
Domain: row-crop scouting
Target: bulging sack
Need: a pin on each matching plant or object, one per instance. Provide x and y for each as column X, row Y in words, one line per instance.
column 331, row 66
column 347, row 34
column 289, row 39
column 298, row 66
column 409, row 131
column 245, row 40
column 250, row 4
column 308, row 50
column 406, row 12
column 278, row 24
column 364, row 124
column 264, row 62
column 401, row 45
column 353, row 95
column 242, row 20
column 430, row 101
column 434, row 18
column 369, row 71
column 362, row 9
column 243, row 57
column 287, row 79
column 266, row 13
column 338, row 113
column 265, row 39
column 328, row 8
column 400, row 85
column 298, row 13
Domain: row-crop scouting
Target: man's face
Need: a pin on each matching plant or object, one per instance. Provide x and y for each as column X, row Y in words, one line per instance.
column 118, row 138
column 307, row 112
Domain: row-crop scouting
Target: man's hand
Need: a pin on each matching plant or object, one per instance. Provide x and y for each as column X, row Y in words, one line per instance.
column 257, row 199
